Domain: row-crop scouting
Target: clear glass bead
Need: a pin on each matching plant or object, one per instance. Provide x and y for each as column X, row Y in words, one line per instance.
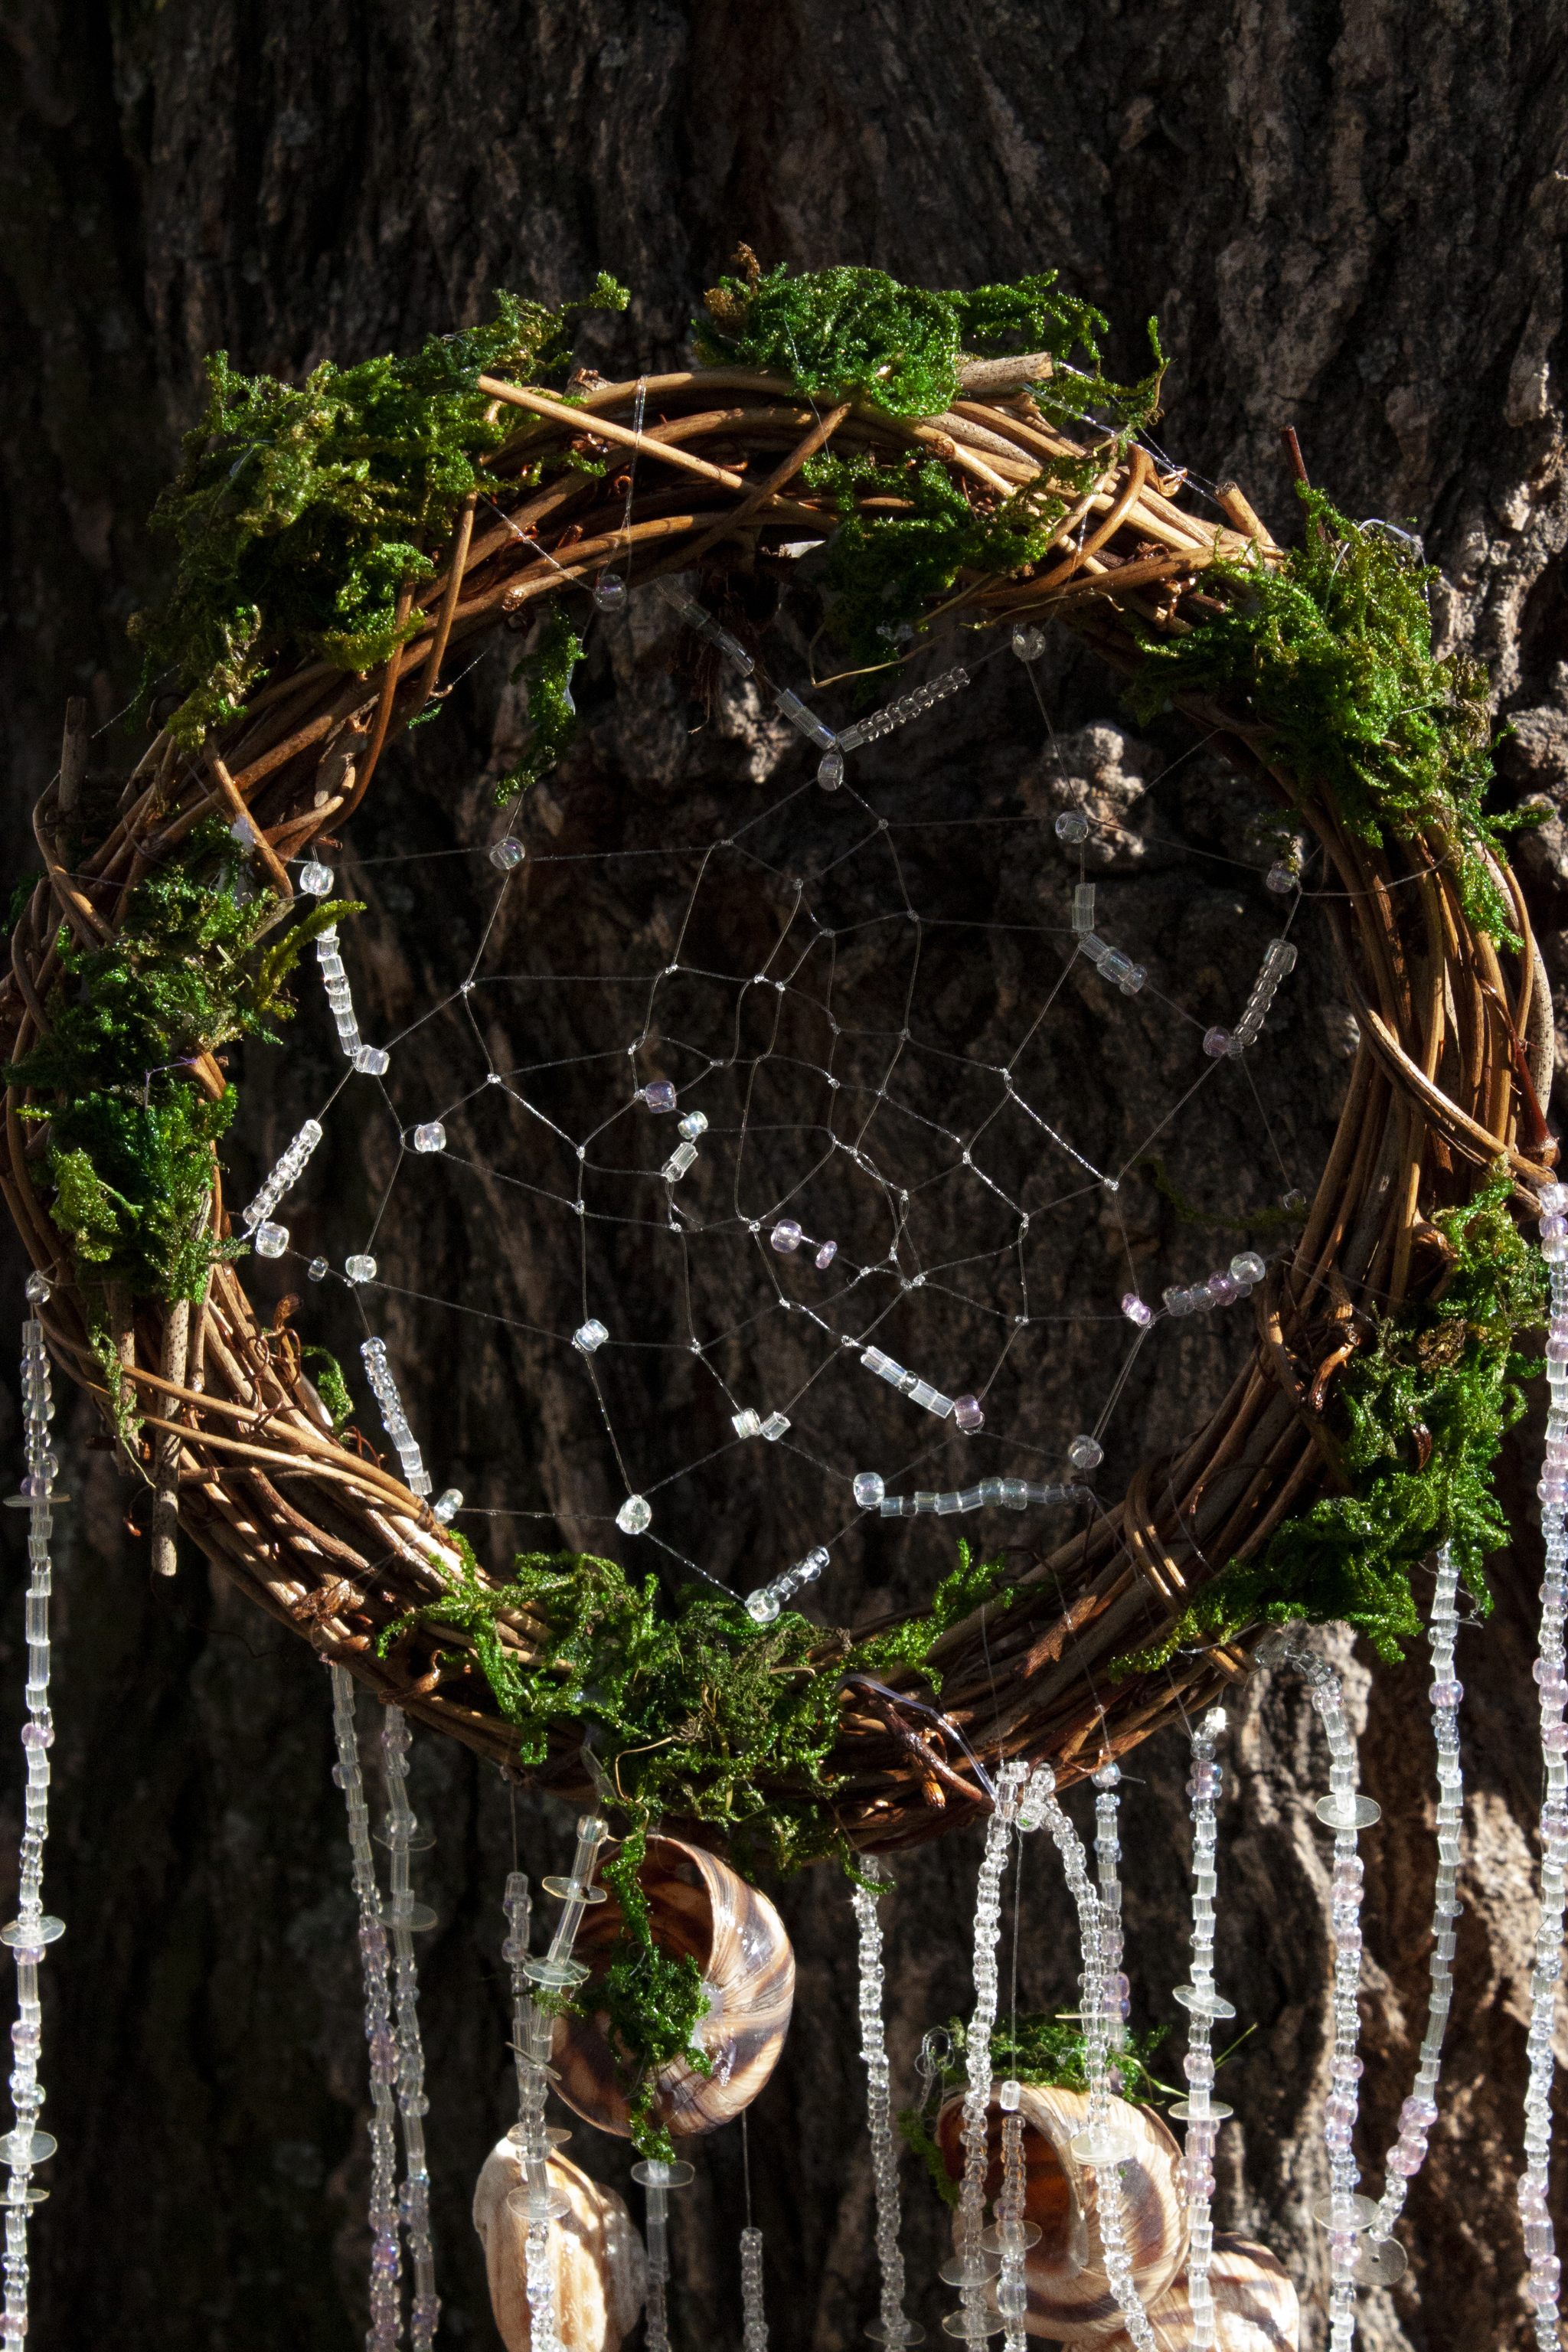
column 430, row 1137
column 360, row 1268
column 315, row 879
column 507, row 853
column 634, row 1516
column 271, row 1240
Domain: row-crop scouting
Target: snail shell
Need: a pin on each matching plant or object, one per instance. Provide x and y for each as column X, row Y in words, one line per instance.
column 1069, row 2293
column 597, row 2258
column 1255, row 2305
column 697, row 1905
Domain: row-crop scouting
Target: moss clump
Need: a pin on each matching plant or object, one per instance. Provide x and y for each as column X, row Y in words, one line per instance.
column 301, row 511
column 131, row 1134
column 553, row 714
column 1041, row 2049
column 653, row 1999
column 845, row 333
column 1424, row 1406
column 702, row 1713
column 1333, row 652
column 331, row 1386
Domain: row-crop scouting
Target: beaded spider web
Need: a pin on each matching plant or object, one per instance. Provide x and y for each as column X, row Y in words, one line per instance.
column 785, row 1173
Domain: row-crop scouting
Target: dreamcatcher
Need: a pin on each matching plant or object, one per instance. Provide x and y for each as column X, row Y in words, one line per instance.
column 813, row 1192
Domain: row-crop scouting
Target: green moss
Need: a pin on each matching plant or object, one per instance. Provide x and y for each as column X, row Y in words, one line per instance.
column 842, row 333
column 552, row 713
column 1423, row 1407
column 653, row 1999
column 1041, row 2049
column 301, row 511
column 1333, row 653
column 702, row 1713
column 131, row 1134
column 331, row 1386
column 1257, row 1221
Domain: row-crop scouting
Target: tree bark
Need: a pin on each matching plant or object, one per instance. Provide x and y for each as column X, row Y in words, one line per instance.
column 1349, row 221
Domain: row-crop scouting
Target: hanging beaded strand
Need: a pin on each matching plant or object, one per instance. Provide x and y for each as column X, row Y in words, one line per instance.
column 556, row 1972
column 1204, row 2114
column 1384, row 2259
column 1542, row 2284
column 386, row 2313
column 971, row 2269
column 890, row 2326
column 1014, row 2235
column 754, row 2335
column 1342, row 2213
column 404, row 1915
column 32, row 1931
column 1107, row 1857
column 1098, row 2144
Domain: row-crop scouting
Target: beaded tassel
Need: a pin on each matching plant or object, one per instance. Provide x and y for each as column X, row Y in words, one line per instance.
column 394, row 1420
column 755, row 2334
column 1419, row 2113
column 1545, row 2271
column 1012, row 2287
column 385, row 2315
column 31, row 1932
column 1097, row 2144
column 1204, row 2113
column 402, row 1915
column 971, row 2269
column 891, row 2328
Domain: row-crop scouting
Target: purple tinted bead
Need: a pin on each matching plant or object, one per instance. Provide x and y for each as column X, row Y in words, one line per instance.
column 1222, row 1288
column 1406, row 2158
column 1216, row 1044
column 969, row 1413
column 785, row 1236
column 1554, row 1228
column 1446, row 1696
column 659, row 1095
column 1137, row 1311
column 1554, row 1739
column 1556, row 1350
column 1419, row 2114
column 825, row 1255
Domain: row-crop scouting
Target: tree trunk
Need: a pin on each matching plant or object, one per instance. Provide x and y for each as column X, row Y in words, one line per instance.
column 1349, row 221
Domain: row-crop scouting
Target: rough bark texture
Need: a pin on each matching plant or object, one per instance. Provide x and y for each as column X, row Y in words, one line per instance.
column 1350, row 219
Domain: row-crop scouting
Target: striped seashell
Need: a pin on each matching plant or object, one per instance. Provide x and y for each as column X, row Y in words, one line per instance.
column 698, row 1906
column 1069, row 2293
column 597, row 2258
column 1255, row 2305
